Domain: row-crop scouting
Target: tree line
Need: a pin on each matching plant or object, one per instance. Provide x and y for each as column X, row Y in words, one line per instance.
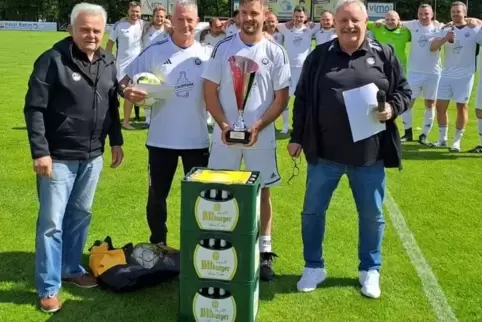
column 59, row 10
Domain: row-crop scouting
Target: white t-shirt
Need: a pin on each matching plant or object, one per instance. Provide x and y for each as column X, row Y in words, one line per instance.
column 199, row 28
column 128, row 39
column 232, row 30
column 323, row 35
column 421, row 59
column 154, row 35
column 297, row 43
column 459, row 57
column 211, row 40
column 273, row 74
column 278, row 37
column 180, row 121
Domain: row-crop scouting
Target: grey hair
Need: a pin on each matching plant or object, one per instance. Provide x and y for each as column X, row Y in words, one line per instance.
column 88, row 8
column 342, row 3
column 187, row 4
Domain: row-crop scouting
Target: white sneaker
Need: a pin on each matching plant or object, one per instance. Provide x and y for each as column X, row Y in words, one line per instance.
column 455, row 147
column 311, row 278
column 370, row 282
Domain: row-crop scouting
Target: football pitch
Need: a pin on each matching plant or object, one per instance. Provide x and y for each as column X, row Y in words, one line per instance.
column 432, row 248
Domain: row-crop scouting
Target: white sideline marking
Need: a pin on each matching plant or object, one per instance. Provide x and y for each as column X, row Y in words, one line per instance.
column 431, row 287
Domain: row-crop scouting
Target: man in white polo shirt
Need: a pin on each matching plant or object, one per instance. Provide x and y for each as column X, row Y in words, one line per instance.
column 265, row 103
column 297, row 41
column 457, row 81
column 178, row 125
column 127, row 36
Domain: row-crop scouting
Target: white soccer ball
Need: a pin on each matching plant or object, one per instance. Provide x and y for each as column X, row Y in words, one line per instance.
column 147, row 255
column 146, row 78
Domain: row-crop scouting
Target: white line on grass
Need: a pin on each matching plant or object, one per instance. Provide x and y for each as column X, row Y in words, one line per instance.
column 431, row 287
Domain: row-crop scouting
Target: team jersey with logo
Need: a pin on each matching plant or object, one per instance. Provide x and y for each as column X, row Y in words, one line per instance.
column 153, row 35
column 297, row 43
column 278, row 37
column 398, row 38
column 273, row 74
column 128, row 40
column 323, row 35
column 459, row 58
column 211, row 40
column 421, row 59
column 232, row 30
column 180, row 121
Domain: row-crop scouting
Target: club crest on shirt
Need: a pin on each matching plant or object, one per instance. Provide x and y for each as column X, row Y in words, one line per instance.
column 265, row 61
column 422, row 41
column 197, row 61
column 76, row 77
column 297, row 40
column 370, row 61
column 467, row 34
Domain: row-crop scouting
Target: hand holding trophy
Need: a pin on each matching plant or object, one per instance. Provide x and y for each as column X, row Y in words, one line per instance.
column 243, row 71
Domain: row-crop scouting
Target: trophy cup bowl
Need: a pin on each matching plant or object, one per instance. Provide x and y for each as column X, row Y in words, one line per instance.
column 243, row 72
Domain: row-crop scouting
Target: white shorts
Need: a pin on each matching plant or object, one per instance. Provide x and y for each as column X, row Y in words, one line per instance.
column 262, row 160
column 424, row 83
column 458, row 89
column 478, row 102
column 295, row 77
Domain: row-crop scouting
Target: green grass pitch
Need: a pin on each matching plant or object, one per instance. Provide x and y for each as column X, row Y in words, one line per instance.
column 438, row 194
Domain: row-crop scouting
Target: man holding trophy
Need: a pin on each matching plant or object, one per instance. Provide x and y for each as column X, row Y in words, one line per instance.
column 252, row 74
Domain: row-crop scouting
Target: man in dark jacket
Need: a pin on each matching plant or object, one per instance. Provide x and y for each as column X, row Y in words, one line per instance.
column 321, row 129
column 70, row 108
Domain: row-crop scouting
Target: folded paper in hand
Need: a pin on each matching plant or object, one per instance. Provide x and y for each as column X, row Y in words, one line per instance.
column 360, row 104
column 157, row 91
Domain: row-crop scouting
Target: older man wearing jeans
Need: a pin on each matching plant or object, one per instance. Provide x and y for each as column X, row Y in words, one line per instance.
column 322, row 130
column 70, row 107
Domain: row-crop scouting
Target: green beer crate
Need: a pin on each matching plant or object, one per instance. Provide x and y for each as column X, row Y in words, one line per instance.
column 220, row 256
column 221, row 200
column 215, row 301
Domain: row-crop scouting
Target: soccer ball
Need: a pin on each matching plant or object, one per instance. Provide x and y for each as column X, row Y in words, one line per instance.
column 146, row 78
column 147, row 255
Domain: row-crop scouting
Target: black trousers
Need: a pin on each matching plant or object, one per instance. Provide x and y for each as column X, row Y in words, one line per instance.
column 162, row 167
column 137, row 112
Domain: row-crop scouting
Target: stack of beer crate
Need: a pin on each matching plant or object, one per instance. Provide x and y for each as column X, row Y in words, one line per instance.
column 220, row 220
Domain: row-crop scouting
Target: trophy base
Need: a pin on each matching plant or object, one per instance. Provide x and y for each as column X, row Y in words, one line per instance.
column 238, row 137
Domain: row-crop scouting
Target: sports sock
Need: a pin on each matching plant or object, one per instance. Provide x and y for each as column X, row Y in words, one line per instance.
column 407, row 119
column 148, row 115
column 428, row 118
column 458, row 135
column 443, row 132
column 265, row 244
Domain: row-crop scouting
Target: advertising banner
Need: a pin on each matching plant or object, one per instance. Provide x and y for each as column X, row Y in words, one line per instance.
column 322, row 5
column 283, row 9
column 377, row 10
column 28, row 25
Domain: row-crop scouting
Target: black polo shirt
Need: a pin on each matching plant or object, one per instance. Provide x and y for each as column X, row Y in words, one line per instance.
column 340, row 72
column 89, row 67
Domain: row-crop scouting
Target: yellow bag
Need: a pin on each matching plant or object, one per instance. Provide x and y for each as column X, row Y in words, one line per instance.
column 103, row 256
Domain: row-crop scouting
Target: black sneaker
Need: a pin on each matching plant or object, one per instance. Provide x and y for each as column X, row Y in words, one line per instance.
column 477, row 149
column 422, row 139
column 266, row 271
column 408, row 137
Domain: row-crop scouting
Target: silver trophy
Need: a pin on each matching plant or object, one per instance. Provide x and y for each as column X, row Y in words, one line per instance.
column 243, row 71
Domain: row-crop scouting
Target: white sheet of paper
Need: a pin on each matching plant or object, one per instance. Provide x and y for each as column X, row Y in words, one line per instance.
column 360, row 103
column 157, row 91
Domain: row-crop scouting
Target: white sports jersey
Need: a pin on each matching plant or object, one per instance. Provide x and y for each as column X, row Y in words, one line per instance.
column 154, row 35
column 459, row 57
column 278, row 37
column 273, row 74
column 297, row 43
column 128, row 40
column 180, row 121
column 199, row 28
column 213, row 41
column 421, row 59
column 323, row 35
column 232, row 30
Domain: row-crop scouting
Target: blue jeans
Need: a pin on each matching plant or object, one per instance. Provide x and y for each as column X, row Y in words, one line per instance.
column 368, row 188
column 63, row 222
